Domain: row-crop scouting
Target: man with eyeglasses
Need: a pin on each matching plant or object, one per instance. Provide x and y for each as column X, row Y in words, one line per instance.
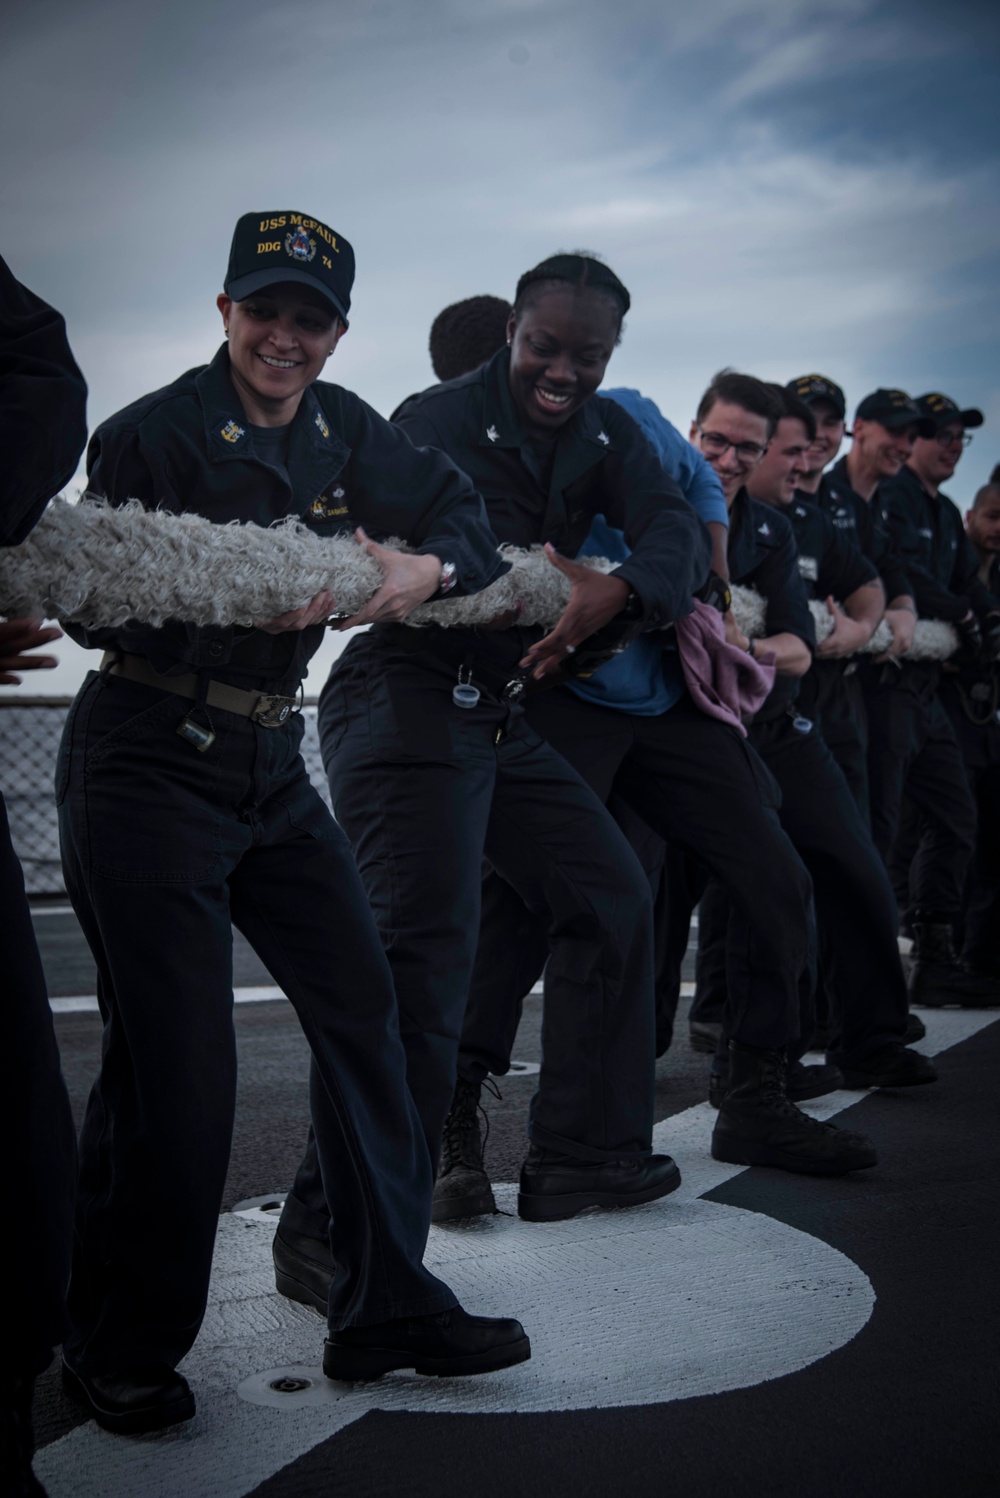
column 913, row 756
column 855, row 914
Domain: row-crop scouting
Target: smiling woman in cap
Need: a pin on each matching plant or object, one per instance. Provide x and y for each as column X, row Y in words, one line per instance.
column 195, row 812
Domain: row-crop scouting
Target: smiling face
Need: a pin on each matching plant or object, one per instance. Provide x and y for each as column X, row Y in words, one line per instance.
column 561, row 342
column 733, row 440
column 279, row 341
column 883, row 450
column 776, row 476
column 936, row 458
column 830, row 429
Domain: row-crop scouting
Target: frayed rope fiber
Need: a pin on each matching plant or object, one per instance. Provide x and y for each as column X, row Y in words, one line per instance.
column 99, row 566
column 933, row 639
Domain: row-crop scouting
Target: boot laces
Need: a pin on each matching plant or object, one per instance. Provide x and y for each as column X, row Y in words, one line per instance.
column 773, row 1084
column 463, row 1143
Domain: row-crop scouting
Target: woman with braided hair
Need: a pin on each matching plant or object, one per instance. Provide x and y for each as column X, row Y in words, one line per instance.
column 432, row 764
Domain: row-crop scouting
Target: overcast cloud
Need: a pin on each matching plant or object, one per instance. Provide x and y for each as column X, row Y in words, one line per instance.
column 784, row 185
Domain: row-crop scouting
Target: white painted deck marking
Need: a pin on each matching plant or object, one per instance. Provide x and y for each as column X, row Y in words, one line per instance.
column 680, row 1298
column 86, row 1003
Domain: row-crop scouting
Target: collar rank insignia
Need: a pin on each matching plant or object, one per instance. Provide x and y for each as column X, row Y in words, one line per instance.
column 493, row 434
column 764, row 529
column 603, row 437
column 321, row 424
column 232, row 432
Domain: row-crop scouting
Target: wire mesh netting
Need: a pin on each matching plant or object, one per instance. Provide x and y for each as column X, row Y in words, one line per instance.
column 30, row 730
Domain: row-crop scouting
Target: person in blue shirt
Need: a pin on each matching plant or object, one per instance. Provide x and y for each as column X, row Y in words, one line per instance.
column 634, row 735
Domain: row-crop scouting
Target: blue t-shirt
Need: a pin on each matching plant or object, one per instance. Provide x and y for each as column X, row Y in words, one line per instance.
column 646, row 679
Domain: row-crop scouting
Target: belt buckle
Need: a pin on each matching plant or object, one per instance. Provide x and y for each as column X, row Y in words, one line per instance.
column 272, row 711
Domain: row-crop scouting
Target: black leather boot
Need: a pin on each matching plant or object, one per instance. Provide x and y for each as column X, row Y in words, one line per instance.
column 892, row 1065
column 462, row 1188
column 303, row 1268
column 759, row 1125
column 938, row 978
column 447, row 1343
column 133, row 1401
column 554, row 1186
column 801, row 1082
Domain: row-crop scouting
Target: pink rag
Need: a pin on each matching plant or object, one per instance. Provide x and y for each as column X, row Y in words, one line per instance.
column 723, row 680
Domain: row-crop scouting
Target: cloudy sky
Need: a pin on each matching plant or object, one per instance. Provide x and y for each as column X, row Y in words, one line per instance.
column 784, row 185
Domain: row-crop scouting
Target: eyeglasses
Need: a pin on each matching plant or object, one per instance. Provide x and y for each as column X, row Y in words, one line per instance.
column 713, row 445
column 953, row 439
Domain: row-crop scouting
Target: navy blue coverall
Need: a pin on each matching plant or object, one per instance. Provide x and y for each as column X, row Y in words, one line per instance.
column 943, row 569
column 855, row 910
column 426, row 789
column 165, row 846
column 912, row 751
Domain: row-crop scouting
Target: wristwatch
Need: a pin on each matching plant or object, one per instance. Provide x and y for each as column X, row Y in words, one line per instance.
column 448, row 578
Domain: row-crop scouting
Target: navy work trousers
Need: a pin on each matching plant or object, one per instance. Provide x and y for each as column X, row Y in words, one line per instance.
column 425, row 791
column 831, row 696
column 855, row 909
column 163, row 848
column 37, row 1129
column 912, row 754
column 693, row 781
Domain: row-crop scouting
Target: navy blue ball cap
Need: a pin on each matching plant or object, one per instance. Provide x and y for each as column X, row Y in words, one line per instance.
column 944, row 412
column 816, row 388
column 894, row 408
column 270, row 248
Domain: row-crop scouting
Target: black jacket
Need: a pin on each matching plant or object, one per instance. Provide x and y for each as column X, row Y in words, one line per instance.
column 762, row 555
column 828, row 561
column 939, row 558
column 867, row 524
column 43, row 408
column 188, row 447
column 603, row 465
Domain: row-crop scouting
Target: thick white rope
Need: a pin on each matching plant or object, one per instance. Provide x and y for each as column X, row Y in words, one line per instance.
column 933, row 639
column 98, row 566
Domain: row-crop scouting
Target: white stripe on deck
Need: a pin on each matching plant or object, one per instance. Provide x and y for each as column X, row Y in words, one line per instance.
column 86, row 1003
column 676, row 1299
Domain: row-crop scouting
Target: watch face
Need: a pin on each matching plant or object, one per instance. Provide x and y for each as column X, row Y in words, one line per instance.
column 447, row 579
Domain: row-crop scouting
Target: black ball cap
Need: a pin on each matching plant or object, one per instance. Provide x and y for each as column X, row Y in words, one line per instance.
column 894, row 408
column 944, row 412
column 816, row 388
column 269, row 248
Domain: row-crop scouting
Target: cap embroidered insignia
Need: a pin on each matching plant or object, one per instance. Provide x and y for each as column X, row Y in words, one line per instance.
column 299, row 245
